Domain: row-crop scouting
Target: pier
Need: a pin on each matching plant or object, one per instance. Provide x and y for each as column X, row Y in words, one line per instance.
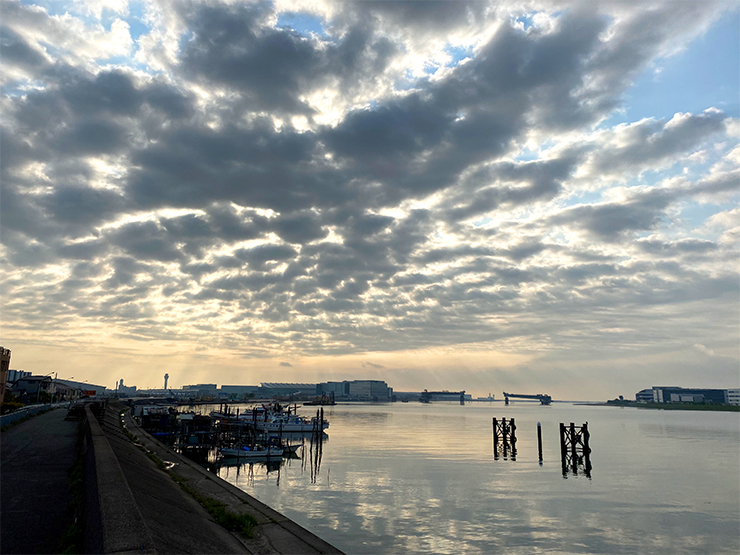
column 138, row 495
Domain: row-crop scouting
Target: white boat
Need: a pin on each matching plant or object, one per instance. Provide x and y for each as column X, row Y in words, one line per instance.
column 288, row 423
column 247, row 453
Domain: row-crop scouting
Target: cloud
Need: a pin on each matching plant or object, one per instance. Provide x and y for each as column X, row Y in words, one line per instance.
column 286, row 364
column 371, row 365
column 401, row 176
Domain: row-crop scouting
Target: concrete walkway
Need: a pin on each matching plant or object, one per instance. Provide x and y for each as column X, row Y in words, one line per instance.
column 35, row 457
column 35, row 496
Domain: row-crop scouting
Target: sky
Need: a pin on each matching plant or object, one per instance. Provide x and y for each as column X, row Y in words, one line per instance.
column 525, row 196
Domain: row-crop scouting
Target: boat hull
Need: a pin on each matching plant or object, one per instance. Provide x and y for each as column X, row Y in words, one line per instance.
column 272, row 452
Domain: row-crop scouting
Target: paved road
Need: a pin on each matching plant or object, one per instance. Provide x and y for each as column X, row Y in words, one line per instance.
column 34, row 484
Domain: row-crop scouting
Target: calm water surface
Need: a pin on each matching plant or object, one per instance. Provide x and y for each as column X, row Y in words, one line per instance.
column 413, row 478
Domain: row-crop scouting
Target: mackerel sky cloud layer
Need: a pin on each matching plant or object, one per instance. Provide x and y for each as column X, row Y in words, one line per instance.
column 436, row 193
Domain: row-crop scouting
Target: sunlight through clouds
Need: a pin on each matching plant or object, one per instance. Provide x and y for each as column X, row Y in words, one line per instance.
column 453, row 190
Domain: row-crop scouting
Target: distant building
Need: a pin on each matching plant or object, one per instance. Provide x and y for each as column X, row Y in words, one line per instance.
column 29, row 386
column 202, row 389
column 4, row 368
column 356, row 390
column 733, row 396
column 86, row 389
column 663, row 394
column 125, row 391
column 339, row 389
column 645, row 396
column 14, row 375
column 445, row 396
column 269, row 389
column 240, row 390
column 406, row 396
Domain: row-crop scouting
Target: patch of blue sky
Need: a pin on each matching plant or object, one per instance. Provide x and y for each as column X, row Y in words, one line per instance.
column 54, row 7
column 302, row 23
column 526, row 20
column 585, row 197
column 125, row 61
column 430, row 68
column 527, row 155
column 406, row 83
column 705, row 75
column 136, row 20
column 458, row 54
column 695, row 214
column 18, row 89
column 134, row 17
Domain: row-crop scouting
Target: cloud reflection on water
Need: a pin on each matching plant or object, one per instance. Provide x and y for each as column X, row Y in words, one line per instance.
column 422, row 479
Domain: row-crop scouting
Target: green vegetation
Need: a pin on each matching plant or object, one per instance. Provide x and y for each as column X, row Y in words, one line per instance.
column 10, row 403
column 243, row 523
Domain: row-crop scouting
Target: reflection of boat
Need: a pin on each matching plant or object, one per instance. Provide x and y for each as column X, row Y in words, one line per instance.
column 291, row 449
column 245, row 452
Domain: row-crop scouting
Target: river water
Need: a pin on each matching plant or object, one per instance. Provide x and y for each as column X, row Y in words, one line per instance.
column 415, row 478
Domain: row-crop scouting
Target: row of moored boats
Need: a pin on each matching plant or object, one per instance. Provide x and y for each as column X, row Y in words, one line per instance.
column 269, row 420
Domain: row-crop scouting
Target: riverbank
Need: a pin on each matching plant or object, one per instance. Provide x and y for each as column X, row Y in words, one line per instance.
column 671, row 406
column 176, row 475
column 132, row 493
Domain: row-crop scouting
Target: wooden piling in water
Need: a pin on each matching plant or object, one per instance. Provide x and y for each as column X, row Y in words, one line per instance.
column 573, row 452
column 539, row 441
column 563, row 452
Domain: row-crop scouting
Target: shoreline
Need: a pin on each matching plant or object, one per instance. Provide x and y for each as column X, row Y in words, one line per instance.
column 667, row 406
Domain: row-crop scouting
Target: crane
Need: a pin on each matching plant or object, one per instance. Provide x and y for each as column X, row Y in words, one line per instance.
column 543, row 398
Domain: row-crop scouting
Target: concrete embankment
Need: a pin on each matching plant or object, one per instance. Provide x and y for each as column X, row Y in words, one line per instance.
column 129, row 503
column 177, row 523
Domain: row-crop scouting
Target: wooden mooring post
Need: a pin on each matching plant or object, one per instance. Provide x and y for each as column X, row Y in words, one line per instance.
column 539, row 441
column 575, row 451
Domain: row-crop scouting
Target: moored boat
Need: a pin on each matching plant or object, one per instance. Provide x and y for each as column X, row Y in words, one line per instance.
column 245, row 452
column 288, row 423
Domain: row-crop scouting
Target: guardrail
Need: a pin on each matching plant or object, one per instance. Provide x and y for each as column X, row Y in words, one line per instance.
column 20, row 414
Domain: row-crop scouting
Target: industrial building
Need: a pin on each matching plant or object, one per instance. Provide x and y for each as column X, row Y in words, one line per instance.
column 238, row 391
column 675, row 394
column 644, row 396
column 356, row 390
column 14, row 375
column 268, row 390
column 733, row 397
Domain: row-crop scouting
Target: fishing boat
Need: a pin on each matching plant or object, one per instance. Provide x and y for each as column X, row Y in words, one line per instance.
column 288, row 423
column 245, row 452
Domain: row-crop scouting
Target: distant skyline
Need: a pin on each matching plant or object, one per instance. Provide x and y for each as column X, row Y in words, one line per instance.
column 533, row 196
